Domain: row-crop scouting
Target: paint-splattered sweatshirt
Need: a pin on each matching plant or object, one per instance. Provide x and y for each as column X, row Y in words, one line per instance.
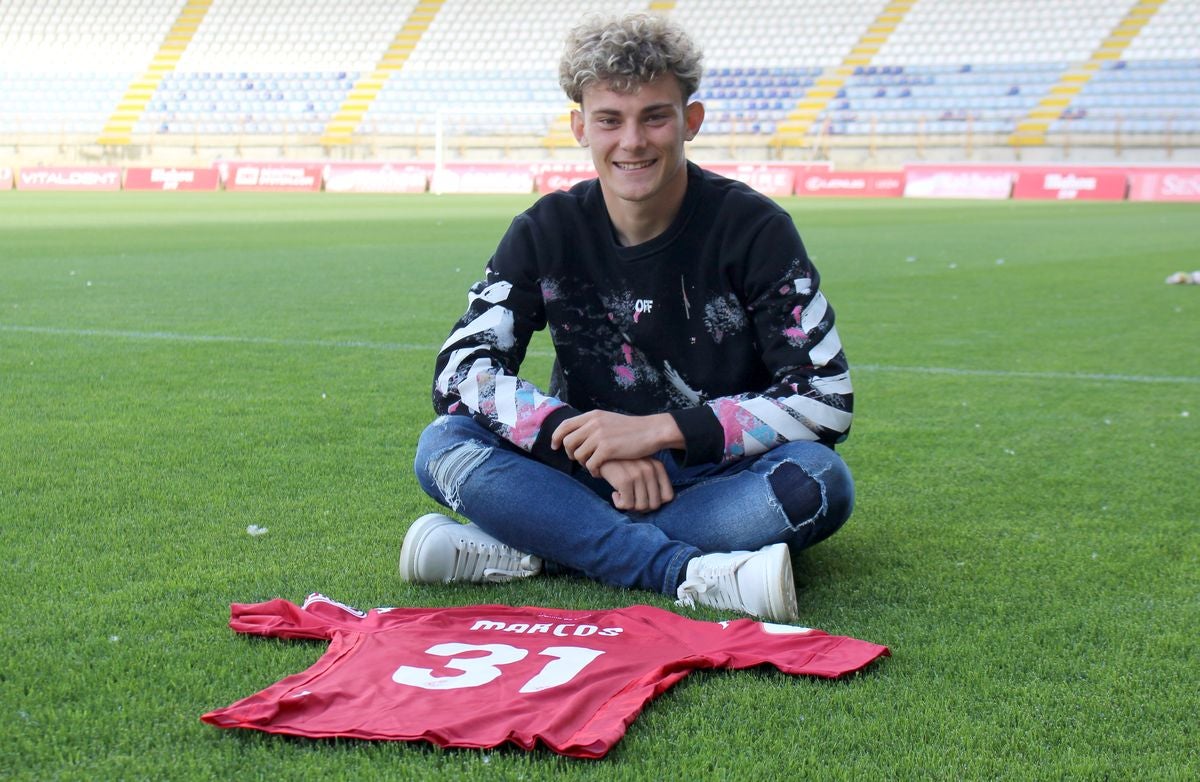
column 719, row 321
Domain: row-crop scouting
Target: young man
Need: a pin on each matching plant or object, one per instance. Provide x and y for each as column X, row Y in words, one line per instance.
column 685, row 443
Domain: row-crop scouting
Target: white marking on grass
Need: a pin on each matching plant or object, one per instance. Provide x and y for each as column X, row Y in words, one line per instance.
column 170, row 336
column 1010, row 374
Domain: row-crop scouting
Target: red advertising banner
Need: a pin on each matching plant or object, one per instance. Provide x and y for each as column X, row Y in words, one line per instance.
column 272, row 177
column 863, row 184
column 69, row 178
column 561, row 176
column 482, row 177
column 1155, row 184
column 767, row 179
column 773, row 179
column 950, row 181
column 6, row 179
column 166, row 178
column 1069, row 184
column 377, row 177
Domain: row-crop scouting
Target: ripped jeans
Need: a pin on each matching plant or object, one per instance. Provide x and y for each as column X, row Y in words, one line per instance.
column 798, row 493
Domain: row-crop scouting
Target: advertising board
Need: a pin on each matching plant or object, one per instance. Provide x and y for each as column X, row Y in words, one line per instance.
column 69, row 178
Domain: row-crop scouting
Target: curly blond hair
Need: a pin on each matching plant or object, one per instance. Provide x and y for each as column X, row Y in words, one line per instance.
column 627, row 52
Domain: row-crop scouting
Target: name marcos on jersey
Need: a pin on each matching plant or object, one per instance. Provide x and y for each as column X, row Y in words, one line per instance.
column 561, row 630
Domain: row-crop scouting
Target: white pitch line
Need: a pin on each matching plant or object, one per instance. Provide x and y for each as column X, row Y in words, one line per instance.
column 1014, row 374
column 169, row 336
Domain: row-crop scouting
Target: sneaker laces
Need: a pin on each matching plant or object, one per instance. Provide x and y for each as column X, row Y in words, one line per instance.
column 718, row 585
column 490, row 562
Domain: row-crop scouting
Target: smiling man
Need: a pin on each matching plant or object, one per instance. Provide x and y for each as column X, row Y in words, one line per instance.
column 636, row 140
column 685, row 442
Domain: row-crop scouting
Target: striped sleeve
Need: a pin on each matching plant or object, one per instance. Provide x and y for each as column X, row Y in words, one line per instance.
column 810, row 396
column 477, row 365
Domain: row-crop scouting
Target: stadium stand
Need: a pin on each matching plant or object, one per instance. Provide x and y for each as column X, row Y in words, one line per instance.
column 64, row 66
column 780, row 73
column 1153, row 89
column 272, row 66
column 495, row 61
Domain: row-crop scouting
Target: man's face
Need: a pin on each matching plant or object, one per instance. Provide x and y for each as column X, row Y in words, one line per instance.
column 636, row 139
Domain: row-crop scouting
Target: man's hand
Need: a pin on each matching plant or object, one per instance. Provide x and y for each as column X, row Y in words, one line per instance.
column 638, row 484
column 598, row 437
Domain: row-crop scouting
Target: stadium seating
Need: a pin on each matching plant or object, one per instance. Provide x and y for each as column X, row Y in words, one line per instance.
column 776, row 33
column 65, row 64
column 208, row 102
column 873, row 68
column 1150, row 96
column 272, row 66
column 1154, row 89
column 490, row 65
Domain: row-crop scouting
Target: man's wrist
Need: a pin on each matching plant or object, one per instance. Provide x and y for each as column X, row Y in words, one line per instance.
column 667, row 433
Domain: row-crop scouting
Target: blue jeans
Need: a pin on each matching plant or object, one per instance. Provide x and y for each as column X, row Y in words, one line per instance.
column 798, row 493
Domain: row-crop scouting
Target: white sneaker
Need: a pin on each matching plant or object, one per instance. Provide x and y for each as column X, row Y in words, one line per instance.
column 437, row 550
column 753, row 582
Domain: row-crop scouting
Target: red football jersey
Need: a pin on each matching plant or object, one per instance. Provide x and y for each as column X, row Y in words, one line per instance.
column 478, row 676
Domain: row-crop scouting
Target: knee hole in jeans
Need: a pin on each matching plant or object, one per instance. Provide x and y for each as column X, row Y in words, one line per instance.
column 451, row 467
column 801, row 496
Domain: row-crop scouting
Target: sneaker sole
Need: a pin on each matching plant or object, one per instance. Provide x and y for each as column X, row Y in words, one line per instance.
column 787, row 610
column 413, row 539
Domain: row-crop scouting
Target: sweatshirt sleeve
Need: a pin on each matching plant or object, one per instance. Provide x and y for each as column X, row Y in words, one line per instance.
column 476, row 369
column 809, row 396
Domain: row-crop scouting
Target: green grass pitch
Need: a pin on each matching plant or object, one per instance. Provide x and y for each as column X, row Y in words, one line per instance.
column 177, row 367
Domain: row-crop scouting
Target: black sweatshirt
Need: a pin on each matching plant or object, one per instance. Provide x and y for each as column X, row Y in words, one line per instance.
column 719, row 321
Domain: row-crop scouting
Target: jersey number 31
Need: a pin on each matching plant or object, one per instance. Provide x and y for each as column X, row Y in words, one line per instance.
column 565, row 664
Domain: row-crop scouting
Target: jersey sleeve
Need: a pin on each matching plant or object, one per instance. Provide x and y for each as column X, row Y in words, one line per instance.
column 319, row 617
column 810, row 396
column 477, row 366
column 278, row 618
column 744, row 643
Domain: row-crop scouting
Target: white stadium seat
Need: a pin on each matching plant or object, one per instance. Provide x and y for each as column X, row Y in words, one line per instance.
column 288, row 65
